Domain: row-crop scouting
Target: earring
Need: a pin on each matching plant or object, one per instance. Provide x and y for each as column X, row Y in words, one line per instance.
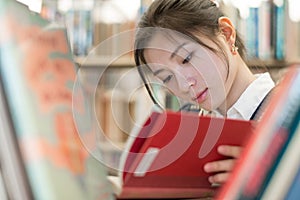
column 234, row 49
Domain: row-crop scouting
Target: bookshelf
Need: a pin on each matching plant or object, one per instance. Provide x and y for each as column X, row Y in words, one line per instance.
column 105, row 61
column 269, row 49
column 119, row 84
column 119, row 99
column 269, row 27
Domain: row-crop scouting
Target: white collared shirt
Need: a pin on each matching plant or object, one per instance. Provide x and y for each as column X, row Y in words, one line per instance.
column 254, row 94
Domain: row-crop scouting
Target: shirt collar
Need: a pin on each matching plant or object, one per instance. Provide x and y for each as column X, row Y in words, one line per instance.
column 250, row 99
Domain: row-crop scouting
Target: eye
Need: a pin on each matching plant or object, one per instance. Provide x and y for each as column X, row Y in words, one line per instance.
column 187, row 59
column 167, row 79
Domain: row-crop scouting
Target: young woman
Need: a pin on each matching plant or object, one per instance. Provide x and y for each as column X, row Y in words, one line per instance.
column 195, row 52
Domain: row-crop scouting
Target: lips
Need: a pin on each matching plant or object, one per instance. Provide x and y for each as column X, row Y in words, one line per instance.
column 201, row 96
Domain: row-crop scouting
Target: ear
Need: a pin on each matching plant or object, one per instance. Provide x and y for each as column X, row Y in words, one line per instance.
column 227, row 29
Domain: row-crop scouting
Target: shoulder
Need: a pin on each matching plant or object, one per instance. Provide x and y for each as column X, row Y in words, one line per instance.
column 266, row 86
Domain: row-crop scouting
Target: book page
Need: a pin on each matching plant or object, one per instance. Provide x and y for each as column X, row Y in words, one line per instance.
column 130, row 141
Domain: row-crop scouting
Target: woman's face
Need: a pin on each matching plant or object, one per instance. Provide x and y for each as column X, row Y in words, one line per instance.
column 189, row 70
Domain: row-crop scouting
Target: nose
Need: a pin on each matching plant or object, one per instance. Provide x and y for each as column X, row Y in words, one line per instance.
column 185, row 83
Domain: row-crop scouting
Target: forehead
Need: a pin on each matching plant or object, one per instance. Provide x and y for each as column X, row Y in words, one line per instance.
column 167, row 40
column 163, row 44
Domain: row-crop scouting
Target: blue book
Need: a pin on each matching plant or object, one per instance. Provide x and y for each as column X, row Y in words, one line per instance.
column 252, row 33
column 279, row 29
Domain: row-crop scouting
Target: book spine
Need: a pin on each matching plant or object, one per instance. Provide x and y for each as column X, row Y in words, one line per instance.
column 264, row 30
column 280, row 13
column 252, row 33
column 292, row 36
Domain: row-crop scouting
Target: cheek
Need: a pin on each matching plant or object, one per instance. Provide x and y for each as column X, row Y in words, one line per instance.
column 211, row 66
column 218, row 90
column 213, row 101
column 214, row 77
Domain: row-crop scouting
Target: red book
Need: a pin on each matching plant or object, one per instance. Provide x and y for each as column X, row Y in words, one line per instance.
column 167, row 156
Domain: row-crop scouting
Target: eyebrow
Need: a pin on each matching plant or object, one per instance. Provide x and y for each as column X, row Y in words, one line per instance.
column 177, row 49
column 158, row 71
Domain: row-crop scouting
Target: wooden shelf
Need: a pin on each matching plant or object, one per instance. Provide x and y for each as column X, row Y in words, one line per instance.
column 128, row 61
column 252, row 63
column 105, row 61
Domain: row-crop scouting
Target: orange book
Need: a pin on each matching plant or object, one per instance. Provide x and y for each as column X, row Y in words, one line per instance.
column 165, row 158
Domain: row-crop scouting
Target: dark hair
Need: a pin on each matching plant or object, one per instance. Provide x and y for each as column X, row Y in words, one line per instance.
column 185, row 16
column 188, row 17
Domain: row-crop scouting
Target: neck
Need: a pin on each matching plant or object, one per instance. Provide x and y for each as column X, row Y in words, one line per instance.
column 243, row 78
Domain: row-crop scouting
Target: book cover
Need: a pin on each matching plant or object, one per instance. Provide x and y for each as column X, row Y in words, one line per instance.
column 165, row 158
column 38, row 75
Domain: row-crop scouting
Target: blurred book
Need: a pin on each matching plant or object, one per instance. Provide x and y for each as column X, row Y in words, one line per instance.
column 79, row 24
column 266, row 148
column 38, row 75
column 290, row 163
column 15, row 182
column 3, row 192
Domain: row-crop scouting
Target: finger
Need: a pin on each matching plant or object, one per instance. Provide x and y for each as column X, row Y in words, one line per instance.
column 231, row 151
column 219, row 166
column 219, row 178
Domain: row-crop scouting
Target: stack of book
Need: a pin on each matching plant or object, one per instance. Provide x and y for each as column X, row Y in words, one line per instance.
column 270, row 164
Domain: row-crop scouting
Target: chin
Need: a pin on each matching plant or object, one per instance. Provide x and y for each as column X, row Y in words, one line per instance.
column 206, row 107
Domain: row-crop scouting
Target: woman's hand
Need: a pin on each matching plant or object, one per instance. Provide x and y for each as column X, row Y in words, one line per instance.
column 223, row 168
